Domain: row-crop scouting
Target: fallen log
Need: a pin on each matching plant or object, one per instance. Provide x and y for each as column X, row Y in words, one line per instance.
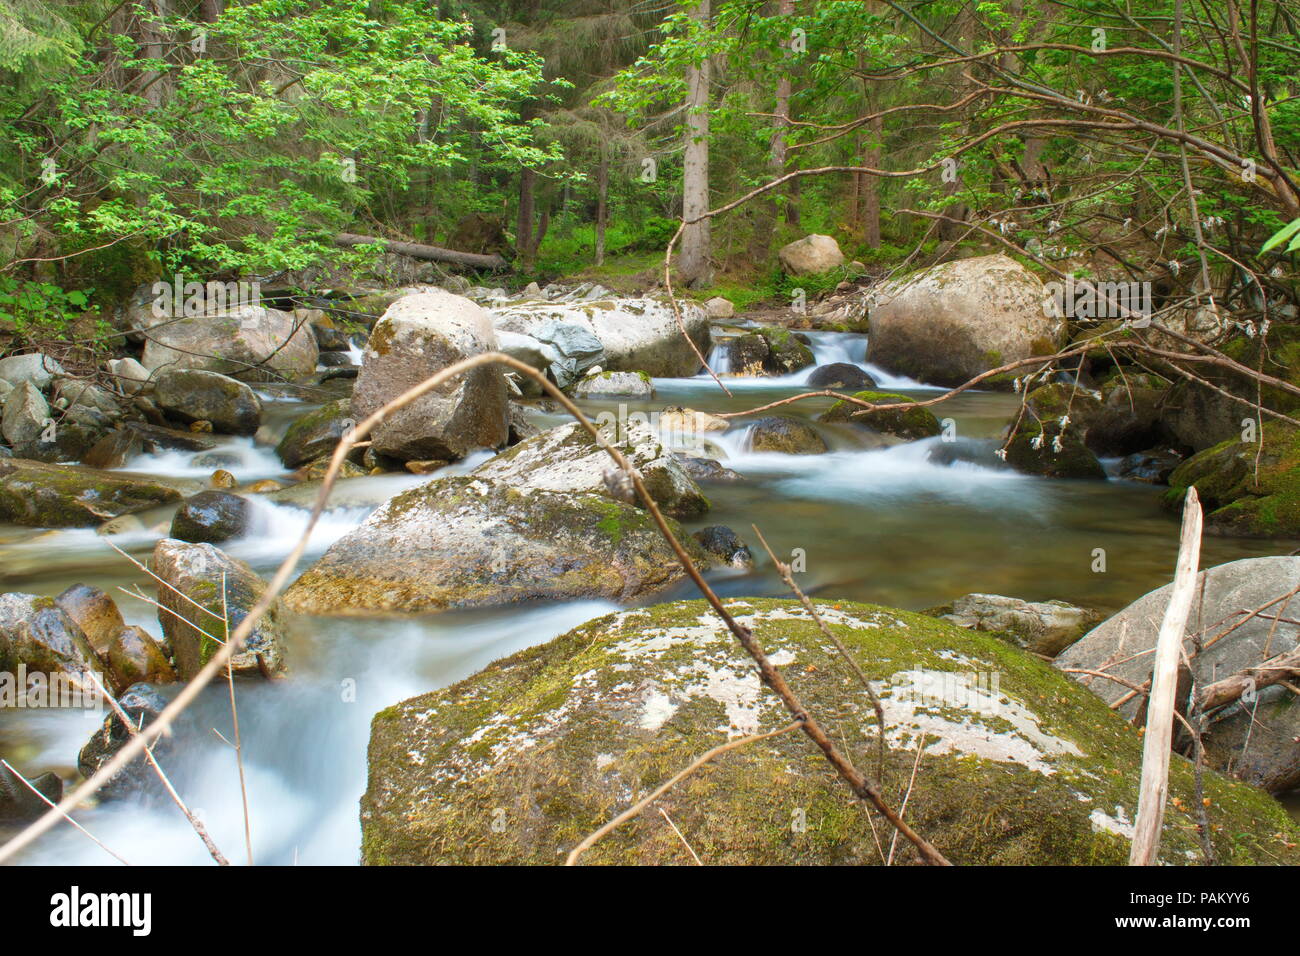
column 418, row 250
column 1275, row 670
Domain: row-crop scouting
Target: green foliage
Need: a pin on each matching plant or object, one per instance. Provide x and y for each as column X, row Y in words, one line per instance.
column 35, row 310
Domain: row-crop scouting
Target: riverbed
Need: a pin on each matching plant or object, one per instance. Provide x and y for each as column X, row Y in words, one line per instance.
column 894, row 526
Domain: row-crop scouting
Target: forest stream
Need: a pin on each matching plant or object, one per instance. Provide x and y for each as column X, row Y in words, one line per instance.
column 888, row 525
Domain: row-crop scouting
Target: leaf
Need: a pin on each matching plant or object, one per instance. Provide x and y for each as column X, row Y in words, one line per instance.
column 1288, row 231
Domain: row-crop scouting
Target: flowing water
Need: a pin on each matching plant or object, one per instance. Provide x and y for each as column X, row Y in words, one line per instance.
column 886, row 525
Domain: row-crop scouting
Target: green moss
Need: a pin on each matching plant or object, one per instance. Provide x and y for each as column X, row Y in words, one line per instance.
column 1238, row 497
column 548, row 743
column 910, row 423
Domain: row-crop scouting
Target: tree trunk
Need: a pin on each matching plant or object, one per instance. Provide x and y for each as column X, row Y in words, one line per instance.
column 602, row 203
column 418, row 250
column 693, row 260
column 769, row 205
column 524, row 225
column 871, row 184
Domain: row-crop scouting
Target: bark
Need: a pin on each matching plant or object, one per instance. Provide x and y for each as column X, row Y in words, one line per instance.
column 693, row 261
column 524, row 240
column 602, row 203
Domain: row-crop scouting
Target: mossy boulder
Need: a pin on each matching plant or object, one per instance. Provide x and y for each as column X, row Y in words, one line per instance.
column 908, row 423
column 1125, row 417
column 566, row 458
column 769, row 350
column 315, row 434
column 520, row 762
column 204, row 594
column 1051, row 450
column 42, row 495
column 468, row 541
column 786, row 436
column 1239, row 499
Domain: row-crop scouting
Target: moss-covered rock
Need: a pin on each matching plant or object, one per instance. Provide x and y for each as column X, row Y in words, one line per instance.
column 315, row 434
column 615, row 385
column 909, row 423
column 66, row 496
column 204, row 594
column 1239, row 499
column 521, row 761
column 769, row 350
column 1052, row 450
column 787, row 436
column 469, row 541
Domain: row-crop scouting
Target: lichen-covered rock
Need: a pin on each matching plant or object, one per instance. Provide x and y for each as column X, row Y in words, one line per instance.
column 1238, row 498
column 418, row 336
column 211, row 516
column 197, row 572
column 566, row 458
column 957, row 319
column 615, row 385
column 908, row 423
column 636, row 335
column 840, row 375
column 473, row 542
column 789, row 436
column 195, row 395
column 250, row 342
column 1044, row 627
column 1260, row 741
column 811, row 255
column 520, row 762
column 67, row 496
column 315, row 434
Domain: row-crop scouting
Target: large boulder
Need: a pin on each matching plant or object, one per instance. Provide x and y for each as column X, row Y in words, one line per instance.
column 1260, row 740
column 193, row 395
column 250, row 342
column 1020, row 765
column 473, row 542
column 636, row 335
column 418, row 336
column 66, row 496
column 769, row 350
column 951, row 322
column 811, row 255
column 566, row 458
column 840, row 375
column 204, row 594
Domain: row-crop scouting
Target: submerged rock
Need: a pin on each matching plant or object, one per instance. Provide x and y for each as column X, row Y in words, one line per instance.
column 194, row 574
column 706, row 470
column 474, row 542
column 1044, row 627
column 17, row 802
column 556, row 740
column 194, row 395
column 721, row 542
column 418, row 336
column 951, row 322
column 1047, row 449
column 67, row 496
column 789, row 436
column 142, row 703
column 566, row 458
column 908, row 423
column 1259, row 741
